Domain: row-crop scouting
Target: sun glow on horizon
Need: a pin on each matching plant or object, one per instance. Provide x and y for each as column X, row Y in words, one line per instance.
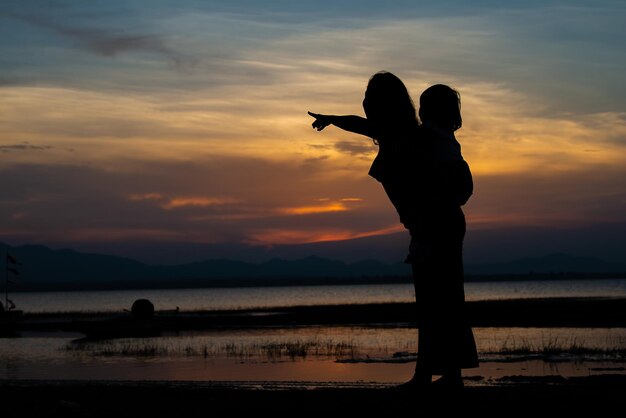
column 283, row 236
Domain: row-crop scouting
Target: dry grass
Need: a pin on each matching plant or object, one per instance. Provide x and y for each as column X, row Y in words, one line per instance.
column 270, row 350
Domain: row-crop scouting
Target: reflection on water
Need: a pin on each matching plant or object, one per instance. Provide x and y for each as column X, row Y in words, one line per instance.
column 254, row 297
column 305, row 354
column 252, row 355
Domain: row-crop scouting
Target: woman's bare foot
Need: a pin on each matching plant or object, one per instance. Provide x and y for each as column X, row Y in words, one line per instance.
column 419, row 380
column 451, row 380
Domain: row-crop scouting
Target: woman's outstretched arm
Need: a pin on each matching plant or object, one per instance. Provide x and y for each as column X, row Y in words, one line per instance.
column 356, row 124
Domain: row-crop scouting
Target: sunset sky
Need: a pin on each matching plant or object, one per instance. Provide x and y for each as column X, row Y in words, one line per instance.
column 186, row 121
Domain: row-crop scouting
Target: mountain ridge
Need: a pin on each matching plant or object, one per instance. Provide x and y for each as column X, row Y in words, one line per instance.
column 41, row 265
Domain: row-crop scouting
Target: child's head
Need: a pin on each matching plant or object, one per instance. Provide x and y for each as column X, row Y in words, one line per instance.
column 387, row 101
column 441, row 105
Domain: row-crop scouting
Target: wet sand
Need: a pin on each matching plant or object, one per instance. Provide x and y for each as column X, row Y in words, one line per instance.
column 507, row 396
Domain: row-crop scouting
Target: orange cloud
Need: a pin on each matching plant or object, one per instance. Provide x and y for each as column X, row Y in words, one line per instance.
column 328, row 206
column 196, row 201
column 182, row 202
column 310, row 210
column 287, row 236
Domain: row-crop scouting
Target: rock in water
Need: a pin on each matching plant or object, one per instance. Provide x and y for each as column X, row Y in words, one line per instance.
column 142, row 309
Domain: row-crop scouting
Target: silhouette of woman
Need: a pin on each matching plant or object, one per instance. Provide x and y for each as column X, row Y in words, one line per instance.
column 423, row 173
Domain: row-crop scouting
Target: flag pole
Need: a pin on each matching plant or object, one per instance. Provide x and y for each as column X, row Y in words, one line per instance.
column 6, row 279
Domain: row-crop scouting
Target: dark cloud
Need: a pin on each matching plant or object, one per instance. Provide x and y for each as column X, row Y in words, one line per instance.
column 24, row 147
column 110, row 43
column 315, row 160
column 320, row 146
column 363, row 147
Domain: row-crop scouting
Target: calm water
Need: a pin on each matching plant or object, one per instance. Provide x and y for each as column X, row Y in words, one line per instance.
column 254, row 297
column 339, row 354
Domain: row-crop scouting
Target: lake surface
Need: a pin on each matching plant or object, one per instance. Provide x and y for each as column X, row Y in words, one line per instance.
column 330, row 354
column 341, row 354
column 255, row 297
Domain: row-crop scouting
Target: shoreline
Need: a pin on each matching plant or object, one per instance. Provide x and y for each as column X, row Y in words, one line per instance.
column 540, row 312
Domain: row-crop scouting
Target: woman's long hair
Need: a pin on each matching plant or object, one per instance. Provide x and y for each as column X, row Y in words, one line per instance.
column 388, row 107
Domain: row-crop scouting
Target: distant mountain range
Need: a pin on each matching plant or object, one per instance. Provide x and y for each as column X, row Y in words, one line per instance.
column 43, row 267
column 605, row 241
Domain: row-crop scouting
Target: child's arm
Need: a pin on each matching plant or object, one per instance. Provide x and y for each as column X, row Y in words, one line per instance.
column 356, row 124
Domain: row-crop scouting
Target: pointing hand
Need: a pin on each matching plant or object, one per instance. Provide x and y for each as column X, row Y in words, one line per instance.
column 321, row 121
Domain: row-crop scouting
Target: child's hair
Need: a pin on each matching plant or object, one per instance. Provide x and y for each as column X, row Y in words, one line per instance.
column 441, row 105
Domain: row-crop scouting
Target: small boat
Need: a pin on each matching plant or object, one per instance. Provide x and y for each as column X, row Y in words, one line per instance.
column 9, row 326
